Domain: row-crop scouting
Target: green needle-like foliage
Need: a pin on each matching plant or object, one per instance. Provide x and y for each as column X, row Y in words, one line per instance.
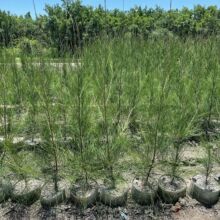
column 50, row 132
column 115, row 98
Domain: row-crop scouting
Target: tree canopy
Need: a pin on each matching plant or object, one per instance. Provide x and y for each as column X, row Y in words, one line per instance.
column 71, row 24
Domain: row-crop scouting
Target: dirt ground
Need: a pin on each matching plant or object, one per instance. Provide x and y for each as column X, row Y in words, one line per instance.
column 186, row 209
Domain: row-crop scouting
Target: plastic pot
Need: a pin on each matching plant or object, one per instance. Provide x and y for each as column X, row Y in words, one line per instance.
column 208, row 195
column 52, row 199
column 144, row 194
column 169, row 191
column 27, row 194
column 84, row 195
column 6, row 189
column 114, row 197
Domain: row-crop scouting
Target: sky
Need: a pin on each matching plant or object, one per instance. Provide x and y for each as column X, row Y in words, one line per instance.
column 21, row 7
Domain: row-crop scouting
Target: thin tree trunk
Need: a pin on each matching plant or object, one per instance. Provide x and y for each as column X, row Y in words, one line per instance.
column 54, row 146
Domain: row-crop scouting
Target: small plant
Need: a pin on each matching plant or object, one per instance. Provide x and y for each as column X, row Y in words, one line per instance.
column 105, row 109
column 182, row 124
column 81, row 100
column 50, row 130
column 111, row 124
column 156, row 119
column 209, row 104
column 22, row 165
column 208, row 162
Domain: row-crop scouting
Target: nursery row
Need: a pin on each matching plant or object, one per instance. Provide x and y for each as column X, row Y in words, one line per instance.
column 122, row 98
column 82, row 196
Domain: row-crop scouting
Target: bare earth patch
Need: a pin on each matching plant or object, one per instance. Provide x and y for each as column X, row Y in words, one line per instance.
column 195, row 211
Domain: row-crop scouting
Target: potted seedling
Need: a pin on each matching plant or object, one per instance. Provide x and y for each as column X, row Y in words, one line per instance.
column 204, row 188
column 50, row 133
column 27, row 186
column 110, row 128
column 153, row 135
column 183, row 115
column 170, row 186
column 25, row 191
column 115, row 190
column 84, row 191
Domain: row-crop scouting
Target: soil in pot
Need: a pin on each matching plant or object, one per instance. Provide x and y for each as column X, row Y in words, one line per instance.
column 207, row 194
column 28, row 192
column 6, row 189
column 84, row 194
column 171, row 189
column 50, row 198
column 142, row 193
column 114, row 197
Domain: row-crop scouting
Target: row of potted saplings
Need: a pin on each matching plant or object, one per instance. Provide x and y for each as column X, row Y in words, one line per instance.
column 144, row 192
